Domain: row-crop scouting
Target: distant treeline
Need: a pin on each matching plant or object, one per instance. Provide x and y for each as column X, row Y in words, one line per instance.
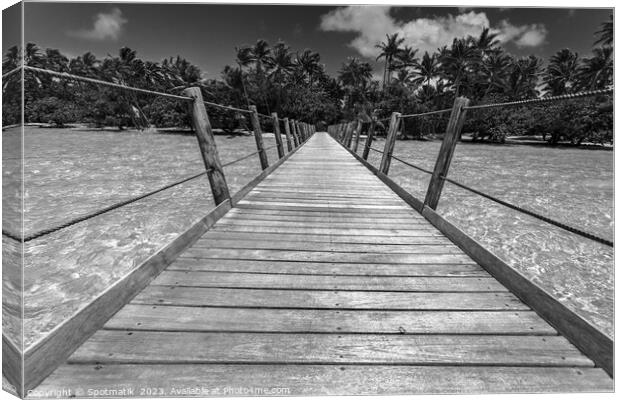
column 295, row 84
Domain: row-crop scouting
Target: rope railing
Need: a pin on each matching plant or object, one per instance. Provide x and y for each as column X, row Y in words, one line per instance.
column 451, row 136
column 11, row 72
column 122, row 203
column 544, row 99
column 445, row 110
column 208, row 103
column 106, row 83
column 530, row 213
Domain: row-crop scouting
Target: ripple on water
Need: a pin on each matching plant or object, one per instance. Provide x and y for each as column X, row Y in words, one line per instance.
column 573, row 186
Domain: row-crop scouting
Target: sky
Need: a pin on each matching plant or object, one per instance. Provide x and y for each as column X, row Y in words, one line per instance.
column 208, row 34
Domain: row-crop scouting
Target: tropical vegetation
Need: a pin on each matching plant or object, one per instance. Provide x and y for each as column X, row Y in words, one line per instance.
column 295, row 84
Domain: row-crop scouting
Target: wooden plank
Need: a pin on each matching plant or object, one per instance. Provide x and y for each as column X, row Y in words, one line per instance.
column 324, row 238
column 270, row 298
column 300, row 229
column 286, row 267
column 275, row 206
column 326, row 256
column 328, row 282
column 198, row 347
column 396, row 215
column 330, row 247
column 181, row 380
column 360, row 218
column 224, row 319
column 323, row 223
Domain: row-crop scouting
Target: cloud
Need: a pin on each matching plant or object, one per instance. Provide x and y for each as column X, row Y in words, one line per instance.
column 105, row 26
column 372, row 23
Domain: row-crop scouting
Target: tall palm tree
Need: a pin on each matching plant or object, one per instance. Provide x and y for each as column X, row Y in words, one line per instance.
column 494, row 71
column 457, row 61
column 309, row 62
column 243, row 60
column 523, row 78
column 281, row 64
column 486, row 42
column 597, row 72
column 355, row 76
column 389, row 49
column 260, row 55
column 427, row 69
column 561, row 74
column 405, row 59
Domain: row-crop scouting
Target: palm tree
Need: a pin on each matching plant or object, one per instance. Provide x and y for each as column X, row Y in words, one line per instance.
column 427, row 69
column 281, row 64
column 259, row 55
column 244, row 59
column 405, row 58
column 486, row 42
column 561, row 74
column 389, row 49
column 606, row 33
column 494, row 70
column 355, row 77
column 457, row 61
column 597, row 72
column 309, row 62
column 523, row 78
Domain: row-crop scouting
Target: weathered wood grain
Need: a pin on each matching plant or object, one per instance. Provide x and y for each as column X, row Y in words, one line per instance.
column 172, row 318
column 273, row 298
column 327, row 282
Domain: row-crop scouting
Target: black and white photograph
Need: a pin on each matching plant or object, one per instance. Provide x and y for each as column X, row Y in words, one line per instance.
column 229, row 199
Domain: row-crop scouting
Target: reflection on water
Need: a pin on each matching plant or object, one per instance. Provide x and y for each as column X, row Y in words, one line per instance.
column 70, row 173
column 574, row 186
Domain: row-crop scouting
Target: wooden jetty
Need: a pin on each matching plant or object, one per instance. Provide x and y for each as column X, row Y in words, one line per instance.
column 323, row 279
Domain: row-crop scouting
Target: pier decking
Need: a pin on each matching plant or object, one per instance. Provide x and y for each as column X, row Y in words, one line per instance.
column 322, row 280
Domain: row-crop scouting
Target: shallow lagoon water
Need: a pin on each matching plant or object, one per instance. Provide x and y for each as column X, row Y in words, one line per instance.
column 70, row 173
column 573, row 186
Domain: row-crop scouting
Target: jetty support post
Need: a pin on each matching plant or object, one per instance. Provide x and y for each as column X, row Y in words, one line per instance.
column 369, row 137
column 206, row 143
column 276, row 132
column 287, row 133
column 358, row 133
column 294, row 132
column 389, row 143
column 442, row 165
column 258, row 136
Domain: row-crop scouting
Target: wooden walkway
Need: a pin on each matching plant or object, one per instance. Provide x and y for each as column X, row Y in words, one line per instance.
column 323, row 281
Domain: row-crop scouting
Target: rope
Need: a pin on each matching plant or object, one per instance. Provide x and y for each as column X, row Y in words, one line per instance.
column 403, row 161
column 544, row 99
column 227, row 107
column 120, row 204
column 106, row 209
column 11, row 72
column 532, row 214
column 427, row 113
column 105, row 83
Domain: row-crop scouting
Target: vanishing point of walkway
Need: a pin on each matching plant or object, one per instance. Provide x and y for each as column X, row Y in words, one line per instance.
column 323, row 281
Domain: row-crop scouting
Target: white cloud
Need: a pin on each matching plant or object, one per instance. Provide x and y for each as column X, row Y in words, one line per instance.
column 372, row 23
column 106, row 26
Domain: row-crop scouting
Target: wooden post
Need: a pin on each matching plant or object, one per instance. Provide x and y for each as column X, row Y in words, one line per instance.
column 287, row 132
column 442, row 165
column 208, row 149
column 358, row 132
column 300, row 134
column 294, row 132
column 258, row 136
column 369, row 137
column 389, row 143
column 276, row 132
column 343, row 132
column 349, row 136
